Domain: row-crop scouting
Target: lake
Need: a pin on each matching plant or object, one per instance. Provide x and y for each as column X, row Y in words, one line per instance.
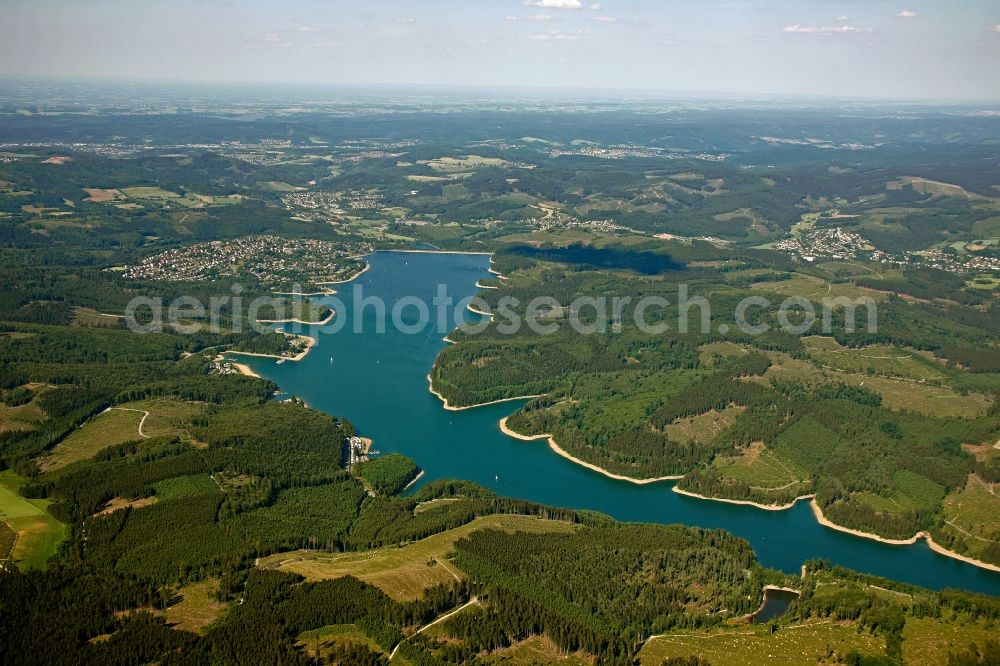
column 378, row 380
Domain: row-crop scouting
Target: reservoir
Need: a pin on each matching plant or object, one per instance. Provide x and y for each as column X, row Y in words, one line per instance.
column 776, row 603
column 378, row 381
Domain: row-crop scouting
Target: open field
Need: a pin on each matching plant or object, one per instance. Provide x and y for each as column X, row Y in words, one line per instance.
column 95, row 319
column 973, row 515
column 119, row 503
column 21, row 417
column 463, row 163
column 761, row 469
column 932, row 187
column 184, row 486
column 106, row 429
column 930, row 641
column 790, row 646
column 878, row 359
column 97, row 195
column 322, row 640
column 706, row 353
column 148, row 193
column 197, row 607
column 536, row 650
column 404, row 572
column 429, row 179
column 897, row 394
column 278, row 186
column 8, row 537
column 924, row 399
column 38, row 533
column 703, row 427
column 985, row 282
column 121, row 424
column 816, row 289
column 157, row 194
column 907, row 492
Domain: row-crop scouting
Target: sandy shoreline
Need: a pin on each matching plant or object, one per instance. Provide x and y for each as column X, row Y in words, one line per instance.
column 484, row 286
column 488, row 254
column 941, row 550
column 826, row 522
column 325, row 292
column 412, row 481
column 452, row 408
column 310, row 343
column 565, row 454
column 244, row 370
column 756, row 505
column 353, row 277
column 481, row 313
column 817, row 511
column 328, row 319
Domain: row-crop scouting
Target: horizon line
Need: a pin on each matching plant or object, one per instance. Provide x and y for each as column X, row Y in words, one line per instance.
column 617, row 94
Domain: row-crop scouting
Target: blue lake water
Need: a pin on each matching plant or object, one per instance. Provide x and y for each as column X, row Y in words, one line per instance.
column 378, row 380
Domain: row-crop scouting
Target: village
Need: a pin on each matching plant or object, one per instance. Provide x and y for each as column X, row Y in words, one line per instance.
column 268, row 259
column 837, row 243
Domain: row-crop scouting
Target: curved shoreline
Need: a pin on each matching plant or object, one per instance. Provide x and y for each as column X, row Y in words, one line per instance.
column 412, row 481
column 756, row 505
column 311, row 342
column 484, row 286
column 468, row 306
column 452, row 408
column 244, row 370
column 350, row 279
column 558, row 450
column 749, row 617
column 323, row 322
column 324, row 292
column 937, row 548
column 488, row 254
column 826, row 522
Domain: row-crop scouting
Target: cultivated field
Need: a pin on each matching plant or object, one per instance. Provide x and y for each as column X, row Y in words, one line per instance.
column 38, row 533
column 97, row 195
column 404, row 572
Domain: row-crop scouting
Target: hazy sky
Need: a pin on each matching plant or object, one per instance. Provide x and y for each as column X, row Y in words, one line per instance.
column 909, row 48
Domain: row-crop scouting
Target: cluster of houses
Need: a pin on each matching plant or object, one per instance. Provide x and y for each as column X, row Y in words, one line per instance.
column 269, row 259
column 838, row 243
